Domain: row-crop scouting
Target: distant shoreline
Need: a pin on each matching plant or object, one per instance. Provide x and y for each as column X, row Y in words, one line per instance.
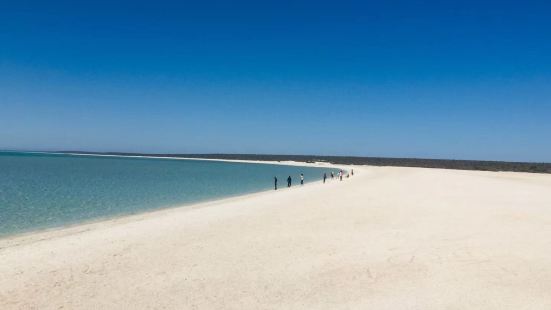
column 457, row 164
column 480, row 165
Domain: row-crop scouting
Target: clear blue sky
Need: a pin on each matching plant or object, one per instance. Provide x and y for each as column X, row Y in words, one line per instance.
column 436, row 79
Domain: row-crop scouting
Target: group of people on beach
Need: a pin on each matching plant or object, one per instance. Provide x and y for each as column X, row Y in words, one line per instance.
column 340, row 175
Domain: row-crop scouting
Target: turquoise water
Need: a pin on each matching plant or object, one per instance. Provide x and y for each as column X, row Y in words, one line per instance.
column 39, row 191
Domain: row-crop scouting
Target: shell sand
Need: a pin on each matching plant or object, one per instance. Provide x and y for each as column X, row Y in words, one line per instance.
column 387, row 238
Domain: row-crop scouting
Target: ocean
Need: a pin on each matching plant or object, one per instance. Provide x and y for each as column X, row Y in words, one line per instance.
column 40, row 191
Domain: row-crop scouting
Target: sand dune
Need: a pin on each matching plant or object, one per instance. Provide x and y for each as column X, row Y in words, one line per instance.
column 387, row 238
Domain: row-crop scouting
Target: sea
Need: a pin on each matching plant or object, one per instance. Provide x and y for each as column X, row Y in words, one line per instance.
column 44, row 190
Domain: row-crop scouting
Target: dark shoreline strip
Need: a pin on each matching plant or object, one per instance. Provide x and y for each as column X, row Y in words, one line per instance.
column 355, row 160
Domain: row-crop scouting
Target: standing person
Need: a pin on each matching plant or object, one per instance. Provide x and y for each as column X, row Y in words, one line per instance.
column 332, row 175
column 301, row 179
column 340, row 175
column 275, row 183
column 352, row 172
column 324, row 177
column 289, row 181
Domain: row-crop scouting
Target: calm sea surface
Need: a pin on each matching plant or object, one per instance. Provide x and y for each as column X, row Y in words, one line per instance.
column 39, row 191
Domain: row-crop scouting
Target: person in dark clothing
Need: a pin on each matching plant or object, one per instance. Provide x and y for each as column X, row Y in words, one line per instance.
column 332, row 175
column 275, row 183
column 324, row 177
column 301, row 179
column 352, row 172
column 289, row 181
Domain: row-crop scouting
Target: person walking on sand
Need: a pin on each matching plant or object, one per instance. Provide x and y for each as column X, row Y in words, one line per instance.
column 301, row 179
column 324, row 177
column 275, row 183
column 340, row 175
column 352, row 172
column 289, row 181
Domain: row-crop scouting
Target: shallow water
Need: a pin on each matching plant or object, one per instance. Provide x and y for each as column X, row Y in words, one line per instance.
column 39, row 191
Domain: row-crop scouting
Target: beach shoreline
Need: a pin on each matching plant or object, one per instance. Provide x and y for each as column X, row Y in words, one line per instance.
column 386, row 238
column 52, row 232
column 75, row 228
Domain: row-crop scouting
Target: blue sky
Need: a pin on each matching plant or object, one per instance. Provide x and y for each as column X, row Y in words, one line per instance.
column 434, row 79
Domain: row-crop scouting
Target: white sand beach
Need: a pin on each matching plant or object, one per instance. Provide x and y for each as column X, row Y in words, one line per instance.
column 387, row 238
